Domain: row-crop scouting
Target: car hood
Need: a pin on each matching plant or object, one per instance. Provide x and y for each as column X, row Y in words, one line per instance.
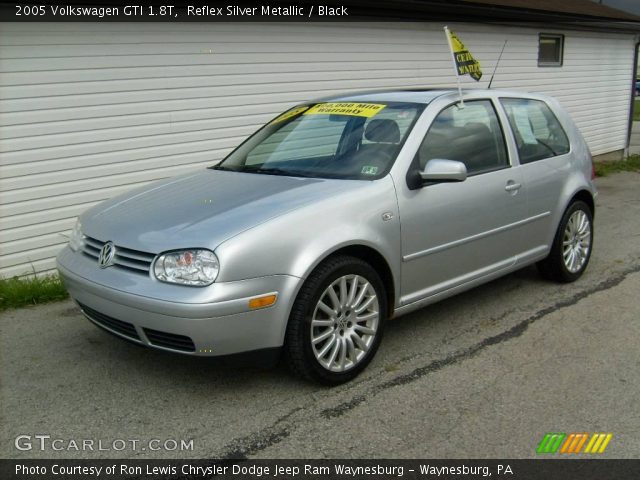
column 202, row 209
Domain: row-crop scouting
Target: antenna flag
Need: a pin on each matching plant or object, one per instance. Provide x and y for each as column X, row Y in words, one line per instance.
column 464, row 62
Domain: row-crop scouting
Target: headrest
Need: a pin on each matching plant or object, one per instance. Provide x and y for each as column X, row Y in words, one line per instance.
column 382, row 131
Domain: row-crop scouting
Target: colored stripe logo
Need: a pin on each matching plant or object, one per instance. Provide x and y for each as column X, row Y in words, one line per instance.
column 574, row 442
column 551, row 442
column 598, row 443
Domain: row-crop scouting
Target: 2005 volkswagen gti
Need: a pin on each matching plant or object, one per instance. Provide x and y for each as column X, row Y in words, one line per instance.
column 333, row 217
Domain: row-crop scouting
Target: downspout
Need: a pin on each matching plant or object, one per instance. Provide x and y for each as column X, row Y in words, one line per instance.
column 633, row 95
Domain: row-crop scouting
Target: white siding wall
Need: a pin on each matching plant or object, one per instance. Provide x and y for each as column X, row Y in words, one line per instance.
column 88, row 111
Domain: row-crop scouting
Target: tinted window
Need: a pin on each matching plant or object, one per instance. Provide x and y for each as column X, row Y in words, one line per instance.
column 537, row 131
column 469, row 134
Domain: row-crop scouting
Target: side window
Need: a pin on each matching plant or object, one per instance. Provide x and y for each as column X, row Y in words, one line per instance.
column 469, row 134
column 537, row 131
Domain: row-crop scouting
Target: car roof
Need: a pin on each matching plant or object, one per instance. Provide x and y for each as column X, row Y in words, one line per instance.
column 418, row 95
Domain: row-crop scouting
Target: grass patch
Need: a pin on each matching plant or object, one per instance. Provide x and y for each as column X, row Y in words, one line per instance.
column 630, row 164
column 18, row 292
column 636, row 110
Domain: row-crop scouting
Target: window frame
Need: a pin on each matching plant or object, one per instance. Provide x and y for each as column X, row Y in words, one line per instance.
column 415, row 164
column 556, row 36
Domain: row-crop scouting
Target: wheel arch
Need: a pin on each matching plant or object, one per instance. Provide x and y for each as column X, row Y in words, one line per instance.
column 585, row 196
column 374, row 258
column 554, row 266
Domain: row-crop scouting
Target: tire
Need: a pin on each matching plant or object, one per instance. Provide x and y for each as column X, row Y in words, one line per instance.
column 574, row 234
column 332, row 337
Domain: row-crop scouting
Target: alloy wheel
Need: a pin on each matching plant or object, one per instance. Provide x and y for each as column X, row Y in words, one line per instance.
column 576, row 241
column 344, row 323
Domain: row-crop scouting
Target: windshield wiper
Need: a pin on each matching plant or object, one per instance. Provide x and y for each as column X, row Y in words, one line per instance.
column 276, row 171
column 222, row 167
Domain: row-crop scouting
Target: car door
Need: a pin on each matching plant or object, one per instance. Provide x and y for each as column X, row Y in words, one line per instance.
column 456, row 232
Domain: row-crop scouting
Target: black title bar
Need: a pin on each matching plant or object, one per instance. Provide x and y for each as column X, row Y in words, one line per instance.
column 293, row 11
column 568, row 469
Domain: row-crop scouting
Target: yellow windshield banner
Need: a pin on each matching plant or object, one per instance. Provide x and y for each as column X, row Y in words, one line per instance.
column 353, row 109
column 290, row 113
column 464, row 61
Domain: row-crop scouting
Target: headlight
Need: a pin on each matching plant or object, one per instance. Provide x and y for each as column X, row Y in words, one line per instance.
column 76, row 239
column 187, row 267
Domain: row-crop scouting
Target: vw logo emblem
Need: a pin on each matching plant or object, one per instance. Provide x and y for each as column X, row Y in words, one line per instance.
column 108, row 251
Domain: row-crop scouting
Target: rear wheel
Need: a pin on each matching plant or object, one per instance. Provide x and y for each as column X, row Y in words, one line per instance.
column 337, row 321
column 572, row 245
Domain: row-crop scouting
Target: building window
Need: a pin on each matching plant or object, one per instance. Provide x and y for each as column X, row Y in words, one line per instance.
column 550, row 50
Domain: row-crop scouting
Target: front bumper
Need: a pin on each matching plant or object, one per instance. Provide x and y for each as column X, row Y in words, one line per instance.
column 149, row 312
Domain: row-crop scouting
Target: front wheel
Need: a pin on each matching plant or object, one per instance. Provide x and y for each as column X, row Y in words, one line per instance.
column 572, row 245
column 336, row 322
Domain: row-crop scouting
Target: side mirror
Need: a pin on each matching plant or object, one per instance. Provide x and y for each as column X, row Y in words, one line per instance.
column 440, row 170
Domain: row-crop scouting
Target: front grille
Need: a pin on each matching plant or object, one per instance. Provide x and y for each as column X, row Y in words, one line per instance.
column 169, row 340
column 119, row 326
column 126, row 258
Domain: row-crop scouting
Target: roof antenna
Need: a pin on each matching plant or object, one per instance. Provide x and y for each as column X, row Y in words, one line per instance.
column 496, row 67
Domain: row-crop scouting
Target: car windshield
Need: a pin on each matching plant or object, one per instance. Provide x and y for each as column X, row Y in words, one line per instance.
column 346, row 140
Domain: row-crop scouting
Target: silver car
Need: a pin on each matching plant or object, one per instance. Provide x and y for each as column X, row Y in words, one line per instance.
column 334, row 217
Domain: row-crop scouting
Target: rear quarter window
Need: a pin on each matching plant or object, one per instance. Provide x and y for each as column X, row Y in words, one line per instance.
column 537, row 131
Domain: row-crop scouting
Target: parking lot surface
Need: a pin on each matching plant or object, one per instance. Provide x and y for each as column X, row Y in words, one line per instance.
column 485, row 374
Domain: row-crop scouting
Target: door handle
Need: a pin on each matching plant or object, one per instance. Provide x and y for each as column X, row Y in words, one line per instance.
column 512, row 186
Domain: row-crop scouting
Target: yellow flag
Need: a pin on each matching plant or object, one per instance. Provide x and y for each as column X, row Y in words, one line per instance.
column 464, row 62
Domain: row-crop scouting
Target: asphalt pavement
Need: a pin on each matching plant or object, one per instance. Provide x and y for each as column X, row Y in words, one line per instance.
column 485, row 374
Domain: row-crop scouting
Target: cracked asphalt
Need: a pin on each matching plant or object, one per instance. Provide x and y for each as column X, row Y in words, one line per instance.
column 482, row 375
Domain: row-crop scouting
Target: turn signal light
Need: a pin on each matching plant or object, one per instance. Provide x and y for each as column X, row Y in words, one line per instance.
column 262, row 302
